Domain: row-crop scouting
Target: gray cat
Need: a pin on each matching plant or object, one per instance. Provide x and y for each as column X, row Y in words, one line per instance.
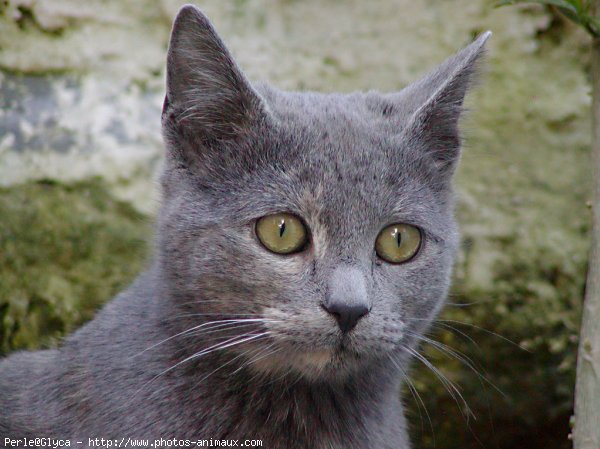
column 305, row 242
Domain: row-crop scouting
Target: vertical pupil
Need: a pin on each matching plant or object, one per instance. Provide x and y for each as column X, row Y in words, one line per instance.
column 281, row 228
column 398, row 237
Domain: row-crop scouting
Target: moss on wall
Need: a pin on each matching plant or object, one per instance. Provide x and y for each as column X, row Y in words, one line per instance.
column 64, row 251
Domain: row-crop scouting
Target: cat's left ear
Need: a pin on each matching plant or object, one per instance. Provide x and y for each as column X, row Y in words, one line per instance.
column 431, row 107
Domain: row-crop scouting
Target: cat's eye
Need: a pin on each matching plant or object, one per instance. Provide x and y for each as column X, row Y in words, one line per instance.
column 398, row 243
column 282, row 233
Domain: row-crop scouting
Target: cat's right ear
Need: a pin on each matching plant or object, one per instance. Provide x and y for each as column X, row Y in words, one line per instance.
column 208, row 97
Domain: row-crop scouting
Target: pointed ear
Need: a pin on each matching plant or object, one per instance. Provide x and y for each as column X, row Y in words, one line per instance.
column 433, row 105
column 208, row 97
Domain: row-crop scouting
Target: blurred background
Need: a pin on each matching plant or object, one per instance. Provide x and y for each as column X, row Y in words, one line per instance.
column 81, row 88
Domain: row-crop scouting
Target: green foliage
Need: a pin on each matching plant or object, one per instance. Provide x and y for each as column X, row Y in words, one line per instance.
column 579, row 11
column 64, row 250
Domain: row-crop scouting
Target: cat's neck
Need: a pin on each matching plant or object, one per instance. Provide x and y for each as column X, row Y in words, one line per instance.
column 290, row 411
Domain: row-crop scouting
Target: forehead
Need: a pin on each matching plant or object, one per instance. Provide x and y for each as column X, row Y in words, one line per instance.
column 335, row 127
column 332, row 136
column 345, row 144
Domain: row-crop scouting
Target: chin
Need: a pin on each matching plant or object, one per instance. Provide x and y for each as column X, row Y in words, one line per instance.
column 314, row 364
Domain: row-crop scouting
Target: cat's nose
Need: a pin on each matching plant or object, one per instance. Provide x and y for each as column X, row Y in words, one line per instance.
column 347, row 299
column 346, row 315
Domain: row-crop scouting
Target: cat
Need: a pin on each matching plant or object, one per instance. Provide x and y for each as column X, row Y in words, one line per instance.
column 305, row 243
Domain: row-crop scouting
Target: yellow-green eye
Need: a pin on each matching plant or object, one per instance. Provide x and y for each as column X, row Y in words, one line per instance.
column 281, row 233
column 398, row 243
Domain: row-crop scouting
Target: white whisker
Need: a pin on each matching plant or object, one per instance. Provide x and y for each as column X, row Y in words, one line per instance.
column 416, row 396
column 243, row 321
column 464, row 359
column 237, row 340
column 447, row 383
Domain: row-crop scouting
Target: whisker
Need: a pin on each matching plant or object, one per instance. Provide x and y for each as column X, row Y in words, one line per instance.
column 222, row 366
column 444, row 348
column 231, row 315
column 261, row 354
column 487, row 331
column 416, row 396
column 447, row 383
column 241, row 301
column 257, row 320
column 461, row 357
column 444, row 326
column 465, row 304
column 219, row 346
column 237, row 340
column 218, row 328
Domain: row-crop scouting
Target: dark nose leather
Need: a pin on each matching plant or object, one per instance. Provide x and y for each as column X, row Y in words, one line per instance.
column 346, row 315
column 347, row 298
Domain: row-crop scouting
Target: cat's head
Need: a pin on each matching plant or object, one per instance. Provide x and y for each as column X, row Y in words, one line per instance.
column 323, row 220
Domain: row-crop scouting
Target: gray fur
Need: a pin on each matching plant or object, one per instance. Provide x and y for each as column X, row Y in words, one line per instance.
column 348, row 165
